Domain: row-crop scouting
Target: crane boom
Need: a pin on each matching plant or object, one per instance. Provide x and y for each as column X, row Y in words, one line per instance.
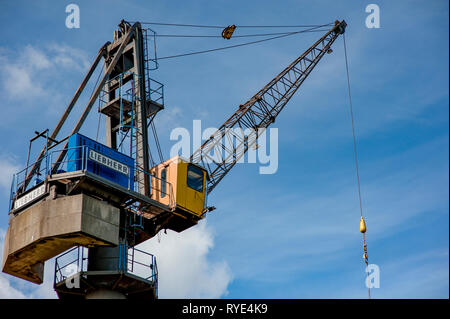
column 260, row 111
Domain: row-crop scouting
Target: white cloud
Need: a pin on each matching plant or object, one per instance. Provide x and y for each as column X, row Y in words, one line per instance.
column 35, row 58
column 183, row 265
column 13, row 288
column 170, row 117
column 21, row 72
column 6, row 290
column 45, row 290
column 18, row 82
column 8, row 168
column 27, row 71
column 69, row 57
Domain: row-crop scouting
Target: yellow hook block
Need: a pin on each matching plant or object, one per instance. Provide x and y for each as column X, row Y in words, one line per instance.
column 362, row 225
column 228, row 32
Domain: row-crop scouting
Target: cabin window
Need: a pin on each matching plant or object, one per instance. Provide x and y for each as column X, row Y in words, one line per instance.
column 195, row 178
column 163, row 182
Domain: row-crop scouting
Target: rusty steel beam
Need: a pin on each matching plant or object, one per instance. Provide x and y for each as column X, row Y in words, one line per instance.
column 95, row 94
column 142, row 154
column 66, row 113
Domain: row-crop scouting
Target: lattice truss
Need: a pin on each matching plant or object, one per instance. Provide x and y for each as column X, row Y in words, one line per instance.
column 231, row 141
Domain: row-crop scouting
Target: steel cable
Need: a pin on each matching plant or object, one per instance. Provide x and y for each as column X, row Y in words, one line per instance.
column 222, row 27
column 219, row 36
column 366, row 258
column 238, row 45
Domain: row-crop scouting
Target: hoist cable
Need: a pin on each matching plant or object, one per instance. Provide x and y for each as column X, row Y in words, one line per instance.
column 282, row 26
column 353, row 129
column 238, row 45
column 181, row 25
column 222, row 27
column 366, row 258
column 158, row 146
column 99, row 114
column 98, row 125
column 219, row 36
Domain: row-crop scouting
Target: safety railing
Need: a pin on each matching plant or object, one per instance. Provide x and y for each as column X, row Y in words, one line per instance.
column 125, row 83
column 18, row 179
column 77, row 159
column 155, row 91
column 149, row 37
column 69, row 263
column 136, row 217
column 139, row 263
column 156, row 186
column 130, row 260
column 45, row 167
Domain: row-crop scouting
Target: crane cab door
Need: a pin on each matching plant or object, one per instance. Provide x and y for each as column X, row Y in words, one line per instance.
column 193, row 179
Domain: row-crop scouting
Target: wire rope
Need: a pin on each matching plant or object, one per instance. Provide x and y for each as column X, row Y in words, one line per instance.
column 222, row 27
column 219, row 36
column 238, row 45
column 366, row 258
column 92, row 93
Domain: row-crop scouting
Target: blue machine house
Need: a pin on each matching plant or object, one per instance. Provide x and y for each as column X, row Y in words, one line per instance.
column 85, row 153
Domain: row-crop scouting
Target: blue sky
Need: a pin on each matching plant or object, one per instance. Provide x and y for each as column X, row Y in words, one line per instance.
column 293, row 234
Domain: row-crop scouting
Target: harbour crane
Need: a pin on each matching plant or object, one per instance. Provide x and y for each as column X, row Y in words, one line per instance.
column 88, row 195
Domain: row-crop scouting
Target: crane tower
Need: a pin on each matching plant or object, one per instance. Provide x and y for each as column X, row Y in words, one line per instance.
column 92, row 203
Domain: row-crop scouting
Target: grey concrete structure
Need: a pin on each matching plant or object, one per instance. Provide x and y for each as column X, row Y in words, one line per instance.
column 52, row 226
